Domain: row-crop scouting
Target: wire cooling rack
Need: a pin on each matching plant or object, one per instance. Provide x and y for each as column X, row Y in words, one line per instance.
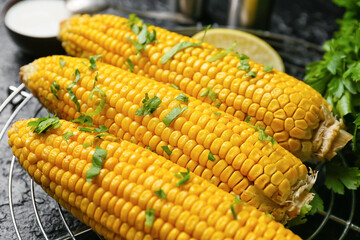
column 338, row 221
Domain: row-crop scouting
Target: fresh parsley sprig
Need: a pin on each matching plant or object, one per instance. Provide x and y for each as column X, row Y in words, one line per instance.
column 180, row 46
column 150, row 105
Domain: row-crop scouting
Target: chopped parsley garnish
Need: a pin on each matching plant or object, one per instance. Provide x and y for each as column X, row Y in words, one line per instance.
column 182, row 97
column 161, row 194
column 71, row 94
column 98, row 159
column 101, row 105
column 223, row 53
column 85, row 145
column 216, row 113
column 237, row 200
column 62, row 62
column 133, row 20
column 130, row 65
column 244, row 65
column 84, row 120
column 211, row 157
column 241, row 56
column 96, row 79
column 143, row 35
column 270, row 216
column 150, row 105
column 268, row 68
column 93, row 60
column 101, row 129
column 174, row 113
column 67, row 135
column 105, row 135
column 180, row 46
column 167, row 150
column 137, row 45
column 251, row 74
column 218, row 104
column 174, row 86
column 85, row 129
column 247, row 119
column 209, row 93
column 150, row 217
column 184, row 177
column 263, row 136
column 148, row 148
column 55, row 87
column 43, row 124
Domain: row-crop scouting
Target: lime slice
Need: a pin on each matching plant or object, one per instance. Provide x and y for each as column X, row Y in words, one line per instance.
column 257, row 49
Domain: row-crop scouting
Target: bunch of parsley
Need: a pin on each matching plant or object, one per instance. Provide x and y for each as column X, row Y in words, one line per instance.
column 337, row 78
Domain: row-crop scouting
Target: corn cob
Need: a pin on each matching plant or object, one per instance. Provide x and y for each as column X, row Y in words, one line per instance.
column 265, row 175
column 292, row 112
column 115, row 202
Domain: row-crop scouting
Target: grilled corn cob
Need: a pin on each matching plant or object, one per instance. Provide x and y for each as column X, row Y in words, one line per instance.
column 292, row 112
column 265, row 175
column 115, row 203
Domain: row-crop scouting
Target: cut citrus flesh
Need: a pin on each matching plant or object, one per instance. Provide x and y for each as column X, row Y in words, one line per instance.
column 257, row 49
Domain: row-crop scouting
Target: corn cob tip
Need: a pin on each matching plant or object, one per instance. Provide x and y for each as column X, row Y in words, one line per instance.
column 329, row 137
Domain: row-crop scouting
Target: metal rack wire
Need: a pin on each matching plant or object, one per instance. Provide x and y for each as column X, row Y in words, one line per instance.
column 286, row 46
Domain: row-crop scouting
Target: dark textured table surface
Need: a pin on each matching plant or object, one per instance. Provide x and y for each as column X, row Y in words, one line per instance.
column 311, row 20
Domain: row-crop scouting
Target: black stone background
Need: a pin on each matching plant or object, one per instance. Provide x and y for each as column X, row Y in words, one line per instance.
column 311, row 20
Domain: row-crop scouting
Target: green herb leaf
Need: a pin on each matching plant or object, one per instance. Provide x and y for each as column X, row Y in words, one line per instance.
column 67, row 135
column 263, row 136
column 218, row 105
column 336, row 87
column 184, row 177
column 93, row 60
column 62, row 62
column 148, row 148
column 85, row 145
column 339, row 176
column 182, row 97
column 84, row 120
column 174, row 86
column 104, row 135
column 247, row 119
column 335, row 62
column 71, row 94
column 101, row 129
column 98, row 159
column 223, row 53
column 142, row 35
column 150, row 217
column 211, row 156
column 137, row 45
column 344, row 105
column 130, row 65
column 301, row 218
column 174, row 113
column 244, row 65
column 96, row 79
column 268, row 68
column 150, row 105
column 85, row 129
column 43, row 124
column 251, row 74
column 317, row 204
column 209, row 93
column 216, row 113
column 167, row 150
column 101, row 105
column 237, row 200
column 241, row 56
column 133, row 19
column 180, row 46
column 55, row 87
column 161, row 194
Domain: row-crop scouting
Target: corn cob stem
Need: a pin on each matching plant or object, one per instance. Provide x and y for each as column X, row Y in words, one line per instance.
column 114, row 204
column 265, row 175
column 291, row 111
